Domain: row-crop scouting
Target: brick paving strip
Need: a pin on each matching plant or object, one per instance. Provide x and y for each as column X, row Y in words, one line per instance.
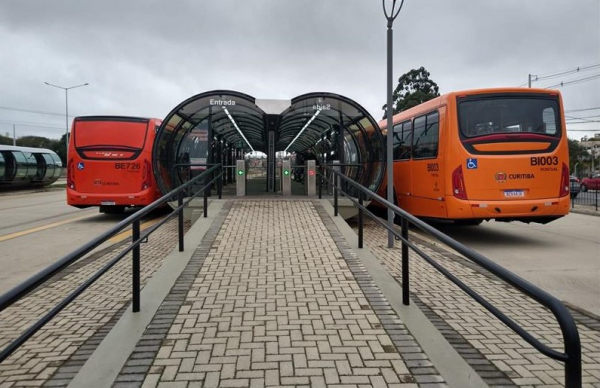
column 274, row 303
column 55, row 353
column 490, row 347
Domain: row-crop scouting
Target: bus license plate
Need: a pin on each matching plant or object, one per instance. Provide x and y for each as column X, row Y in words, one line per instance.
column 109, row 203
column 514, row 193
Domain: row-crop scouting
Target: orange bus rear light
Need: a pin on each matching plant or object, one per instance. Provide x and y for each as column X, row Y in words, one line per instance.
column 564, row 182
column 146, row 175
column 71, row 174
column 458, row 184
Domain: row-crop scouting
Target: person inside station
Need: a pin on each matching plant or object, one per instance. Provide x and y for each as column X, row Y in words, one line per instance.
column 300, row 166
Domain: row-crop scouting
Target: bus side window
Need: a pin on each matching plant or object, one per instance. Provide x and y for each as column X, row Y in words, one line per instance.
column 426, row 136
column 404, row 133
column 397, row 140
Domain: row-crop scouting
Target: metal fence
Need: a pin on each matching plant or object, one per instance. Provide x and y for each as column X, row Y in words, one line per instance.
column 571, row 356
column 585, row 199
column 212, row 175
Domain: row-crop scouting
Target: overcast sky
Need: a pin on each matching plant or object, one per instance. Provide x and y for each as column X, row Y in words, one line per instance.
column 144, row 57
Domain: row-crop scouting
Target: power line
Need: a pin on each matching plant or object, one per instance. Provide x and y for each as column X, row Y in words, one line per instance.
column 581, row 110
column 29, row 124
column 581, row 118
column 577, row 81
column 34, row 111
column 566, row 72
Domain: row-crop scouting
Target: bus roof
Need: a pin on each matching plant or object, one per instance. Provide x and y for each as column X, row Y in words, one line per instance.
column 441, row 100
column 113, row 118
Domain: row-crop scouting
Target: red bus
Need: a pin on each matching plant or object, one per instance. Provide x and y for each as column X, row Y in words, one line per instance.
column 110, row 162
column 483, row 154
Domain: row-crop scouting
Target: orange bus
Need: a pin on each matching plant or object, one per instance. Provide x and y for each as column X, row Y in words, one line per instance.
column 110, row 163
column 484, row 154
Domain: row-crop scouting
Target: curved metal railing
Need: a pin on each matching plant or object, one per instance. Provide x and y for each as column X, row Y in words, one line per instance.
column 572, row 345
column 211, row 175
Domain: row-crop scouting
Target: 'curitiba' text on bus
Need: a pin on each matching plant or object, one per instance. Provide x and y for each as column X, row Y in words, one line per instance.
column 521, row 176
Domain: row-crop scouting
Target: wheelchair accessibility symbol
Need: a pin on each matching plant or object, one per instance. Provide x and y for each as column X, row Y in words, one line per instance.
column 80, row 166
column 471, row 164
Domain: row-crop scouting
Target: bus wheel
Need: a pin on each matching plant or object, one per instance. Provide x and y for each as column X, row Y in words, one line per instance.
column 468, row 222
column 112, row 209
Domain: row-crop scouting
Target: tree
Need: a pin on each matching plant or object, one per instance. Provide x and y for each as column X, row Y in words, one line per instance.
column 413, row 88
column 578, row 155
column 5, row 140
column 36, row 142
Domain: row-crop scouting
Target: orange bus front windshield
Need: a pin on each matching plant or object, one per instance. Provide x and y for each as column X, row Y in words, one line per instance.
column 508, row 118
column 110, row 134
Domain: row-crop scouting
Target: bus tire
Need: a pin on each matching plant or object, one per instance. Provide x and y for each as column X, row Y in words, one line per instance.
column 468, row 222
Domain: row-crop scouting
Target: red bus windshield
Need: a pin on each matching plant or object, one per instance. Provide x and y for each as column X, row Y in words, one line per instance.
column 110, row 134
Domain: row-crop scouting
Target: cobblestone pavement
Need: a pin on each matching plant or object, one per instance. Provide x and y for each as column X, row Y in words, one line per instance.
column 490, row 347
column 274, row 303
column 55, row 353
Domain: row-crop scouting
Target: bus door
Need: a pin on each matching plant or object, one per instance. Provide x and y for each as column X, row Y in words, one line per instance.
column 402, row 172
column 427, row 196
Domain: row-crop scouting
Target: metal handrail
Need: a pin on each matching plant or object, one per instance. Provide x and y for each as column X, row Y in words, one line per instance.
column 572, row 345
column 38, row 279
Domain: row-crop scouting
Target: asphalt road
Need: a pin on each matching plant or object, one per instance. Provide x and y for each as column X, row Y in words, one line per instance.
column 38, row 228
column 562, row 257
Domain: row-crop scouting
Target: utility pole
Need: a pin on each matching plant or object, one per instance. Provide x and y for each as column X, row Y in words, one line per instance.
column 529, row 82
column 14, row 134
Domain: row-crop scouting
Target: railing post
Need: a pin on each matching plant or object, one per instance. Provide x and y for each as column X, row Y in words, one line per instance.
column 135, row 235
column 336, row 181
column 180, row 219
column 405, row 273
column 335, row 196
column 573, row 378
column 360, row 219
column 220, row 185
column 205, row 205
column 321, row 181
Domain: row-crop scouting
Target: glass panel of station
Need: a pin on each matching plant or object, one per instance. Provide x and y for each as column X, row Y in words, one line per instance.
column 2, row 168
column 328, row 127
column 25, row 166
column 209, row 128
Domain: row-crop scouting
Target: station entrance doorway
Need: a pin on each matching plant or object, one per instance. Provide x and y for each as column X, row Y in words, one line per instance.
column 225, row 127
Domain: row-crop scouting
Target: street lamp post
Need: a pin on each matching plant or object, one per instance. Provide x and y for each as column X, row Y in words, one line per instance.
column 390, row 16
column 66, row 89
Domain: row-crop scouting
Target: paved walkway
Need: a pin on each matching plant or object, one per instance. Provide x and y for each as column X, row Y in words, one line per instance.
column 275, row 293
